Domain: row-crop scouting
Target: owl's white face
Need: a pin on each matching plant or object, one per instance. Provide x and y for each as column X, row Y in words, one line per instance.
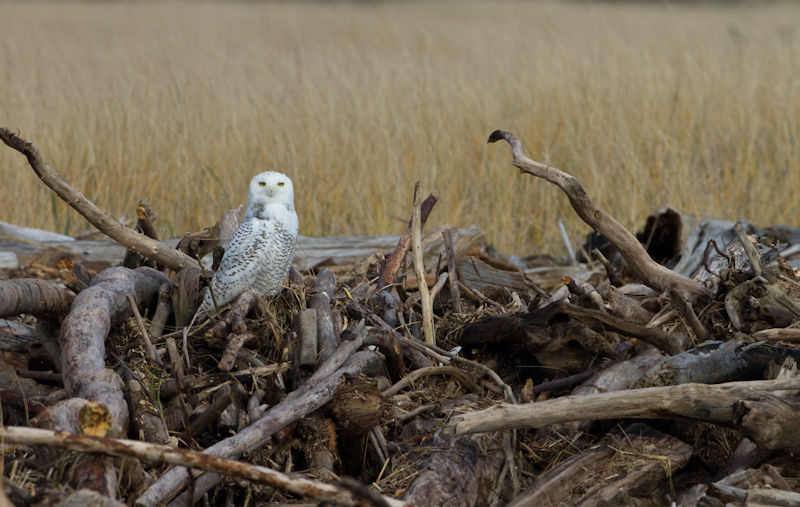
column 270, row 187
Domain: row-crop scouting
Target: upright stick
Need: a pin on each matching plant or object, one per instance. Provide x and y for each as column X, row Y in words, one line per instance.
column 419, row 268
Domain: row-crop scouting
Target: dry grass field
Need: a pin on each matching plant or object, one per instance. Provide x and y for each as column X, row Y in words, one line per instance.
column 648, row 105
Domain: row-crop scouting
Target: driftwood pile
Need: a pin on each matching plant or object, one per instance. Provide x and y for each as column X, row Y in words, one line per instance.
column 433, row 374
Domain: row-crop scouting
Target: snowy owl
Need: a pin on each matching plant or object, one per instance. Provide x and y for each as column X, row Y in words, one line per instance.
column 262, row 248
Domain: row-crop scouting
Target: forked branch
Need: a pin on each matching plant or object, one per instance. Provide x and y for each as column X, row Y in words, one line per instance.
column 650, row 272
column 139, row 243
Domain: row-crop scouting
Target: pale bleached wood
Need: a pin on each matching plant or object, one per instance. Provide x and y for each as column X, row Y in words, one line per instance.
column 311, row 251
column 749, row 250
column 786, row 334
column 396, row 258
column 617, row 377
column 650, row 272
column 419, row 267
column 711, row 403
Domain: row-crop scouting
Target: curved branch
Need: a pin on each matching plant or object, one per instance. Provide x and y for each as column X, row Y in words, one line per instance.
column 650, row 272
column 83, row 333
column 139, row 243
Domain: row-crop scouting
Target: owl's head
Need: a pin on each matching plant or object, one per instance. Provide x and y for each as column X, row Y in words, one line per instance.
column 270, row 188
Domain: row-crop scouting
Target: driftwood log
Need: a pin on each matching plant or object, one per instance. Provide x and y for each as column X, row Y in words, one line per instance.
column 94, row 313
column 690, row 401
column 40, row 299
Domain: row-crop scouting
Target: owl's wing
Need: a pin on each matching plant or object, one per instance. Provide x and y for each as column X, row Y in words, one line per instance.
column 247, row 253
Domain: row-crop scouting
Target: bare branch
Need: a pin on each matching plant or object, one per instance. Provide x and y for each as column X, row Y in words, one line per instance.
column 139, row 243
column 712, row 403
column 651, row 273
column 419, row 266
column 392, row 263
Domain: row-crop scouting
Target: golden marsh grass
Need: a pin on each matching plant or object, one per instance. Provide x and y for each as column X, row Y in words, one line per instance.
column 648, row 105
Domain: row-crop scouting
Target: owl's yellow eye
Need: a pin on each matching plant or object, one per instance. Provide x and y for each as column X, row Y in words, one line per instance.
column 280, row 184
column 262, row 184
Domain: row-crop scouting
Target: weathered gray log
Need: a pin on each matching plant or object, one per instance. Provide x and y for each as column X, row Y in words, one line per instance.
column 95, row 311
column 11, row 232
column 687, row 401
column 769, row 421
column 784, row 334
column 617, row 377
column 490, row 281
column 41, row 299
column 717, row 362
column 98, row 405
column 627, row 308
column 324, row 288
column 305, row 347
column 312, row 252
